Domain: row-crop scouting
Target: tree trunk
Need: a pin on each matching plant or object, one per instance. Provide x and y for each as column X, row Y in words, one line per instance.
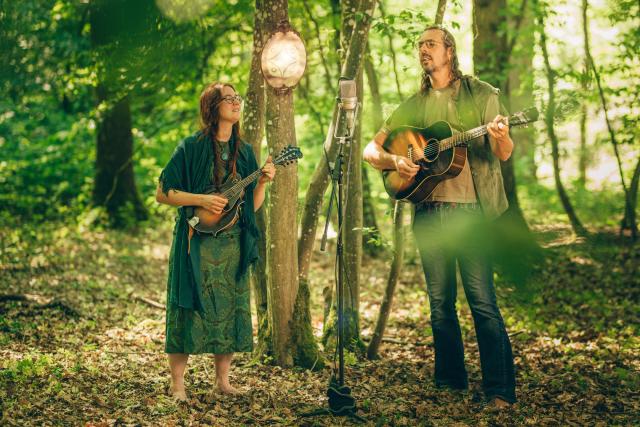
column 355, row 36
column 520, row 86
column 440, row 10
column 328, row 78
column 352, row 231
column 577, row 226
column 392, row 280
column 283, row 264
column 584, row 83
column 392, row 51
column 369, row 220
column 491, row 61
column 114, row 186
column 583, row 153
column 320, row 178
column 336, row 15
column 629, row 219
column 629, row 212
column 253, row 127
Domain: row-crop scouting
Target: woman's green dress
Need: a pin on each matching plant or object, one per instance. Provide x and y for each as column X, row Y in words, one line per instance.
column 225, row 325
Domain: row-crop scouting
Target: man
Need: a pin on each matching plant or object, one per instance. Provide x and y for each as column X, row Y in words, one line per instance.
column 477, row 192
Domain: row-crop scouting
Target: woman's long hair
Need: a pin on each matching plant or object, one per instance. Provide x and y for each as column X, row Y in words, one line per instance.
column 449, row 41
column 210, row 100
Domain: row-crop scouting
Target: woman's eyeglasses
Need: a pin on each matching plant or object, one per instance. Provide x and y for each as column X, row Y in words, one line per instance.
column 232, row 99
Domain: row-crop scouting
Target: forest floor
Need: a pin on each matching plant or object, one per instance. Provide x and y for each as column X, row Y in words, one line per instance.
column 84, row 349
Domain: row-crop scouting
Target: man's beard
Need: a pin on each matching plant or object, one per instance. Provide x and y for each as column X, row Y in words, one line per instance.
column 430, row 68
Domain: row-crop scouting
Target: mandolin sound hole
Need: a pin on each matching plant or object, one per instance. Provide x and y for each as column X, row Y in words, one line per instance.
column 432, row 150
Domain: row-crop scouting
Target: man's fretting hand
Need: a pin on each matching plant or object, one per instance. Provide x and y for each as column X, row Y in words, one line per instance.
column 498, row 129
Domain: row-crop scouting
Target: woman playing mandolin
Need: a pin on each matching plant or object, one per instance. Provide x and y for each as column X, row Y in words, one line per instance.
column 208, row 287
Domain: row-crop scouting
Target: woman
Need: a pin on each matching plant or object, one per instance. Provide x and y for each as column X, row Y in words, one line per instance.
column 208, row 287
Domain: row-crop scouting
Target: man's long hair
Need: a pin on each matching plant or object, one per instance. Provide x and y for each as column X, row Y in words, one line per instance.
column 449, row 42
column 210, row 100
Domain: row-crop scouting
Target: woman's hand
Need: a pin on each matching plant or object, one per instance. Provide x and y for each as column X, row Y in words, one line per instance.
column 268, row 172
column 213, row 202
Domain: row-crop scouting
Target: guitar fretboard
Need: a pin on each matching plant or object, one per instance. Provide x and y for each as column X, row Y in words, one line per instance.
column 462, row 137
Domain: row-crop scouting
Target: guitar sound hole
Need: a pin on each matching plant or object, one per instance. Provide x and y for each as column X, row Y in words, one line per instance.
column 432, row 150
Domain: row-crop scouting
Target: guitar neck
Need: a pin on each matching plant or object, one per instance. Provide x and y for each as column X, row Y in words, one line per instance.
column 466, row 136
column 462, row 137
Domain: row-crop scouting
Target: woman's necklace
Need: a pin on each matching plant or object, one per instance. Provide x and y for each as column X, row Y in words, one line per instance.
column 223, row 147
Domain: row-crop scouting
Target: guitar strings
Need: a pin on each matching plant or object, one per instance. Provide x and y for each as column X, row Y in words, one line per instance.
column 454, row 140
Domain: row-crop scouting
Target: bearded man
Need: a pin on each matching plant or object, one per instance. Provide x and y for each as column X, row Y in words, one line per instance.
column 476, row 192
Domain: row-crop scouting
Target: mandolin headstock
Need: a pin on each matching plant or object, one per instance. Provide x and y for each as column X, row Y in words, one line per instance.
column 288, row 155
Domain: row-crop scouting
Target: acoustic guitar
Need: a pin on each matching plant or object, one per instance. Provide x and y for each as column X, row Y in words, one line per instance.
column 439, row 152
column 205, row 221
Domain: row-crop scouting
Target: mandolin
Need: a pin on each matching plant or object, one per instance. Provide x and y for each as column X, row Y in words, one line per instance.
column 439, row 152
column 205, row 221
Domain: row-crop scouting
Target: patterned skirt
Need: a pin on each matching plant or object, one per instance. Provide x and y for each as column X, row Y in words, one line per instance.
column 225, row 326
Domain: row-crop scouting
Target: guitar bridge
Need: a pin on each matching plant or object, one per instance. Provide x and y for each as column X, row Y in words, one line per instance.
column 410, row 152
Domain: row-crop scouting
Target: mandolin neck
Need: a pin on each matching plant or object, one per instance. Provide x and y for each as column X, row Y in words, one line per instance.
column 242, row 183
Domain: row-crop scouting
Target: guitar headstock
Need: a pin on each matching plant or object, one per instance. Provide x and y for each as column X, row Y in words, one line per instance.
column 524, row 117
column 288, row 155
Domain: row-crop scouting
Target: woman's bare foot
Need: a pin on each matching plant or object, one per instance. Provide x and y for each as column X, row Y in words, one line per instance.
column 226, row 388
column 178, row 392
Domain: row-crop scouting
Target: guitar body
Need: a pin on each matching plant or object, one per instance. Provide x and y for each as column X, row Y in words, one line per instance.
column 421, row 146
column 217, row 223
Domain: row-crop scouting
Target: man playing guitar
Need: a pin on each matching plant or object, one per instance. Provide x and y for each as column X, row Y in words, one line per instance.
column 476, row 192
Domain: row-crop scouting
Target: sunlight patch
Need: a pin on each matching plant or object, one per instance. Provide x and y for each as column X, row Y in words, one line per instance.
column 184, row 10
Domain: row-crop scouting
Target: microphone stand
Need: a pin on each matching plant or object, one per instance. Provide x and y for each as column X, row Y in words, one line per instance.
column 341, row 403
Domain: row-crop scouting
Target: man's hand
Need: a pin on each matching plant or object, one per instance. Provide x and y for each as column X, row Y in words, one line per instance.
column 405, row 167
column 268, row 172
column 213, row 202
column 498, row 129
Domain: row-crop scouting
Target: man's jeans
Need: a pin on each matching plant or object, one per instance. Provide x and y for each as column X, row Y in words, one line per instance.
column 446, row 232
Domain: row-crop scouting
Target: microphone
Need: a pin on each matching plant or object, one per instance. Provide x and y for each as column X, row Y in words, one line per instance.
column 348, row 105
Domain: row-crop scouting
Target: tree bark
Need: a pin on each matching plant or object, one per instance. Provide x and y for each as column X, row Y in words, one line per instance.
column 491, row 62
column 577, row 226
column 253, row 127
column 320, row 178
column 356, row 23
column 392, row 281
column 392, row 51
column 520, row 91
column 114, row 186
column 630, row 222
column 440, row 10
column 369, row 219
column 352, row 231
column 629, row 211
column 283, row 265
column 328, row 78
column 336, row 15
